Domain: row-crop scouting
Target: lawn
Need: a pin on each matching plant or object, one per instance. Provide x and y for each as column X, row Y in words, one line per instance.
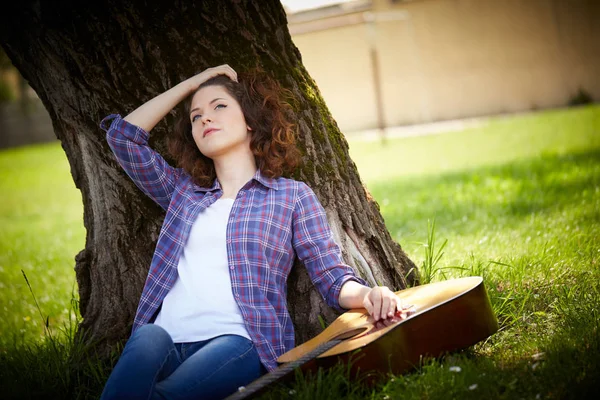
column 41, row 231
column 515, row 200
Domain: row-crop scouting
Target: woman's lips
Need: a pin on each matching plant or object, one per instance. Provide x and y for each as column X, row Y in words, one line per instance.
column 208, row 131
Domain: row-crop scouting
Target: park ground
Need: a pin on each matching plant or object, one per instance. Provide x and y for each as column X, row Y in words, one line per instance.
column 514, row 199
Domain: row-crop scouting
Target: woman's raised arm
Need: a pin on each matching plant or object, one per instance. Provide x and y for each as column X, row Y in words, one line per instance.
column 150, row 113
column 128, row 137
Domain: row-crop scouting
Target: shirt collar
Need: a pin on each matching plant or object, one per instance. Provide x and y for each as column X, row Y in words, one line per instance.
column 215, row 186
column 270, row 183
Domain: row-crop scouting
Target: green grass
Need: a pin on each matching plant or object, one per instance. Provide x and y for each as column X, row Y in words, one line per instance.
column 516, row 200
column 41, row 231
column 497, row 141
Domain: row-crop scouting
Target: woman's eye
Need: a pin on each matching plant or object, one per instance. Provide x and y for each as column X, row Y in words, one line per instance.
column 195, row 117
column 220, row 106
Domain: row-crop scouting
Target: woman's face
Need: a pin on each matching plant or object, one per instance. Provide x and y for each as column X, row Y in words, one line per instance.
column 218, row 123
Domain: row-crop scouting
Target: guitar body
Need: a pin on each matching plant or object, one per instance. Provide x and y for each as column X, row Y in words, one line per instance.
column 449, row 316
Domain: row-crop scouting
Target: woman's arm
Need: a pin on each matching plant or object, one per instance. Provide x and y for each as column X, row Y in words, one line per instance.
column 150, row 113
column 314, row 246
column 146, row 168
column 128, row 138
column 341, row 288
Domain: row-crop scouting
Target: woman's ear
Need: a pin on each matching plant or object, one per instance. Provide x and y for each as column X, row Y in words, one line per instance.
column 248, row 127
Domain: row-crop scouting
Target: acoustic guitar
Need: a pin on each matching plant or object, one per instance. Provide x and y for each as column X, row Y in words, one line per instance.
column 446, row 316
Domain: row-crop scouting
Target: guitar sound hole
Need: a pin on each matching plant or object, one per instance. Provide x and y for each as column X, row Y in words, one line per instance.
column 351, row 333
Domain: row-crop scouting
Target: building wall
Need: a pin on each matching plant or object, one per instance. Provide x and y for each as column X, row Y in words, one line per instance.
column 448, row 59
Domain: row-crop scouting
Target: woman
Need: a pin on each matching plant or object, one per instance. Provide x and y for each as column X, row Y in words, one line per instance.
column 213, row 316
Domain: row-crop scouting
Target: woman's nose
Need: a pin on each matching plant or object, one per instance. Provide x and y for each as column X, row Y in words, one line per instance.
column 206, row 119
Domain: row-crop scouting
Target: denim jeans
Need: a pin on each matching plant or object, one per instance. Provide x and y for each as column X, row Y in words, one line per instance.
column 153, row 367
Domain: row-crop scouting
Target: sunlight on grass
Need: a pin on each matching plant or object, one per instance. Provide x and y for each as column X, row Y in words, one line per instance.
column 518, row 202
column 500, row 140
column 490, row 209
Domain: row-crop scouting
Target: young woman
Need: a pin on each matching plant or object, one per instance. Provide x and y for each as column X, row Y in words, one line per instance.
column 213, row 313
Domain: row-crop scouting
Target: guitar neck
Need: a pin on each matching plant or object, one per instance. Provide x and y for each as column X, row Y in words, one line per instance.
column 282, row 371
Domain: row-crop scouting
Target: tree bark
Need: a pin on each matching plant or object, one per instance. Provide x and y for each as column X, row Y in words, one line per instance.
column 87, row 60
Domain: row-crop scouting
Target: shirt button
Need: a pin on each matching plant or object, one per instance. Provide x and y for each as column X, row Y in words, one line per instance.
column 231, row 268
column 237, row 295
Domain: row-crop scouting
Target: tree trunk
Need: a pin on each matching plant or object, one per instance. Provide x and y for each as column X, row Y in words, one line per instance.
column 87, row 60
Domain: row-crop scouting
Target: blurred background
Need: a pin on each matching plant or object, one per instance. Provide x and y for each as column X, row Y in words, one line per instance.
column 387, row 63
column 384, row 65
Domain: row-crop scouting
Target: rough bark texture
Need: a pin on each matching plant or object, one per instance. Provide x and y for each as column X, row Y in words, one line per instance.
column 89, row 59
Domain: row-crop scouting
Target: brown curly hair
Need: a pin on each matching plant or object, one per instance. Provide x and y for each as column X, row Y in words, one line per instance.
column 273, row 140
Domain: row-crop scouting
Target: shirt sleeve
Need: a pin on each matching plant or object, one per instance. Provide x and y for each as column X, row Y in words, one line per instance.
column 148, row 170
column 315, row 247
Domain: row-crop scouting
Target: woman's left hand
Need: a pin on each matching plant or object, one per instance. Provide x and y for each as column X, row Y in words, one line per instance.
column 382, row 304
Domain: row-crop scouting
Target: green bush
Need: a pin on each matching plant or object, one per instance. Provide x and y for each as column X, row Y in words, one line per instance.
column 581, row 98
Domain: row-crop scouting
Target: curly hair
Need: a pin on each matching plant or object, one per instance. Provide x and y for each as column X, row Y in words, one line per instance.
column 273, row 139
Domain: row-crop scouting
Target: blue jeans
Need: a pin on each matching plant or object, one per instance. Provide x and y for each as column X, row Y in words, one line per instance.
column 153, row 367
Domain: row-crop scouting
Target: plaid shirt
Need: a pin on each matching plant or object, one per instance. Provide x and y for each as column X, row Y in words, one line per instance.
column 271, row 222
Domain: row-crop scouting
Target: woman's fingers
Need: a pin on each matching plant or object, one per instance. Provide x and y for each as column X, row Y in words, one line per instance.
column 406, row 310
column 383, row 304
column 375, row 299
column 212, row 72
column 225, row 69
column 368, row 305
column 387, row 309
column 378, row 304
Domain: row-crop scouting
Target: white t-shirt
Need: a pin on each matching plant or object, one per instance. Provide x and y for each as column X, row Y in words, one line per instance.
column 200, row 305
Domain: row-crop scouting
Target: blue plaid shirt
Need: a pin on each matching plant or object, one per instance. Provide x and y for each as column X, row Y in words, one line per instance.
column 272, row 221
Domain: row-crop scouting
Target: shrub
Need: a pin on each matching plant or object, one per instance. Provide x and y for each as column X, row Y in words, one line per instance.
column 581, row 98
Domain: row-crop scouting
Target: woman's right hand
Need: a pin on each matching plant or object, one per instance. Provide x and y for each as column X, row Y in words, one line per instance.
column 150, row 113
column 209, row 73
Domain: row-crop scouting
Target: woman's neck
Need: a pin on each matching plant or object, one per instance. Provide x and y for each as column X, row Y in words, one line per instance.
column 233, row 171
